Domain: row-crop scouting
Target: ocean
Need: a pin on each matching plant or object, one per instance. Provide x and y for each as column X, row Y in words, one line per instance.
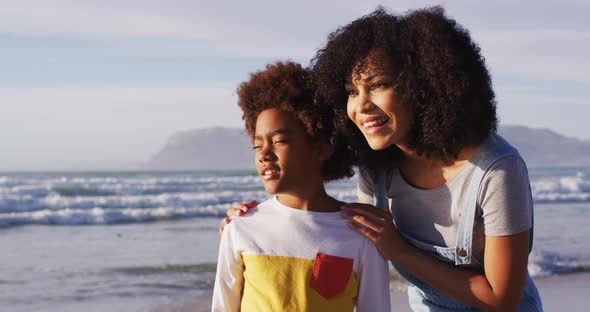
column 147, row 241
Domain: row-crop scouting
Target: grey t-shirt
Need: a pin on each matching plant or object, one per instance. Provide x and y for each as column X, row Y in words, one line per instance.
column 504, row 203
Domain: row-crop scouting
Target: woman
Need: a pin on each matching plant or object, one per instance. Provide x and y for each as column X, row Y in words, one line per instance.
column 421, row 118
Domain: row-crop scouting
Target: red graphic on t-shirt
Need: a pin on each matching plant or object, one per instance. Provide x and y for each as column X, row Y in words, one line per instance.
column 330, row 274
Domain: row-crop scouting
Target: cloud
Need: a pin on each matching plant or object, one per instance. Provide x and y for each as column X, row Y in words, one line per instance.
column 535, row 107
column 88, row 18
column 98, row 125
column 539, row 54
column 215, row 26
column 141, row 106
column 117, row 53
column 528, row 38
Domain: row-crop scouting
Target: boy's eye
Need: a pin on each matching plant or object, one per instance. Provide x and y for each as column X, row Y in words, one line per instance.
column 378, row 85
column 255, row 147
column 279, row 141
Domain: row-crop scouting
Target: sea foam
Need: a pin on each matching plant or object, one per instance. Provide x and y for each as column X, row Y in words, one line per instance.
column 120, row 198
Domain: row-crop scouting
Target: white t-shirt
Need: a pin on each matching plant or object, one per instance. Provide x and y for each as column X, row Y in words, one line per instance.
column 278, row 258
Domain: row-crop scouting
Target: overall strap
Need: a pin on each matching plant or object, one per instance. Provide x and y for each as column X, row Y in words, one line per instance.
column 465, row 231
column 380, row 192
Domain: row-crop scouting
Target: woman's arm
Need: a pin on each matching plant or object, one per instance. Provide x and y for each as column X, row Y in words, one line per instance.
column 499, row 288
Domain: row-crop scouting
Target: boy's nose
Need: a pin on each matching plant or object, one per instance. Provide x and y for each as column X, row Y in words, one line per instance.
column 265, row 154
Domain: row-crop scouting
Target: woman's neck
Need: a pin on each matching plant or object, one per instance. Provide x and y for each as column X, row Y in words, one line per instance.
column 431, row 172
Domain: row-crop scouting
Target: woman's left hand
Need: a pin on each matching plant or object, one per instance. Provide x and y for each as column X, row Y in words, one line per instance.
column 377, row 225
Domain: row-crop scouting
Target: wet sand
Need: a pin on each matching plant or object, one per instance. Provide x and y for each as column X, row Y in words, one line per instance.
column 559, row 293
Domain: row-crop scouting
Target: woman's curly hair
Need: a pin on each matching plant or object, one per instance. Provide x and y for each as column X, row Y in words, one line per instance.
column 288, row 86
column 439, row 74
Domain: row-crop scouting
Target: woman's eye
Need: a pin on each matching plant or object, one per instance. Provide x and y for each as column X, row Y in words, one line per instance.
column 255, row 147
column 279, row 141
column 350, row 92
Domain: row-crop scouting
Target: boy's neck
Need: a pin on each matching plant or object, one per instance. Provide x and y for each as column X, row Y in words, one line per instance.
column 314, row 200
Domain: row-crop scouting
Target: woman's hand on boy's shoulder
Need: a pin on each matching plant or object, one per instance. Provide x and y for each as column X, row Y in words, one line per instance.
column 237, row 210
column 376, row 225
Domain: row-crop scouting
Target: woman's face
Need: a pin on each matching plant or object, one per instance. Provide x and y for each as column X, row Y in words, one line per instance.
column 372, row 104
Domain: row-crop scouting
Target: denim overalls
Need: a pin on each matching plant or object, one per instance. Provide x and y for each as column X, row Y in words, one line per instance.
column 422, row 297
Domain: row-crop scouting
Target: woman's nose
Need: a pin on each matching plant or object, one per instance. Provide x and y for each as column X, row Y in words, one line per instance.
column 363, row 102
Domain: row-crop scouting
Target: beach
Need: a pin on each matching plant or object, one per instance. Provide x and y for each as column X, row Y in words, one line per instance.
column 149, row 241
column 559, row 293
column 155, row 270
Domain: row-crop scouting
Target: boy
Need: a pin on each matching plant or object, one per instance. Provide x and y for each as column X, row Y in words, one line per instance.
column 294, row 252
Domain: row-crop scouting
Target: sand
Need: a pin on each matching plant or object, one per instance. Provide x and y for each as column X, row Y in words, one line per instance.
column 569, row 292
column 559, row 293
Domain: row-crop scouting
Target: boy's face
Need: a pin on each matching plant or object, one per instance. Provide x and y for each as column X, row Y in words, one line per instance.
column 285, row 158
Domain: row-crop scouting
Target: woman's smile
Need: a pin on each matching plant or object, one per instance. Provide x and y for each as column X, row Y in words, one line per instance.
column 374, row 124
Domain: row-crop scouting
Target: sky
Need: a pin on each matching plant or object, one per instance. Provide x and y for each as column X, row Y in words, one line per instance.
column 102, row 84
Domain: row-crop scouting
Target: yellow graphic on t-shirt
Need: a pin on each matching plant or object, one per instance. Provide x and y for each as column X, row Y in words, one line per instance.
column 278, row 283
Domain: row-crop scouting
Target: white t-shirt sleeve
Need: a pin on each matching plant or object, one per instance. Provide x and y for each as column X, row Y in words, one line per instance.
column 364, row 187
column 373, row 278
column 229, row 280
column 505, row 198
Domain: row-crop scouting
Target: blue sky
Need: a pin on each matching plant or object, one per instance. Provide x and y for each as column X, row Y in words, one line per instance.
column 102, row 84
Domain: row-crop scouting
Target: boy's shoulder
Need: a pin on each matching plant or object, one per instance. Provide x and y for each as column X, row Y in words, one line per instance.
column 269, row 202
column 254, row 213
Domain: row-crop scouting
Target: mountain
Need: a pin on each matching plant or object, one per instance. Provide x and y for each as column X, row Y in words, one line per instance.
column 230, row 149
column 205, row 149
column 546, row 148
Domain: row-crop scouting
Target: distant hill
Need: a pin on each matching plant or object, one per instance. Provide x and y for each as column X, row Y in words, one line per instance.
column 205, row 149
column 546, row 148
column 230, row 148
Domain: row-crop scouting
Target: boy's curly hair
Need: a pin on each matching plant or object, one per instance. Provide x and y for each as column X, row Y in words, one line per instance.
column 288, row 86
column 439, row 73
